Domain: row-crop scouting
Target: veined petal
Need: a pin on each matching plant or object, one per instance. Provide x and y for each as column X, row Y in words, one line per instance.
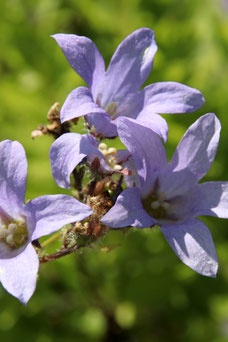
column 153, row 121
column 147, row 150
column 212, row 199
column 83, row 56
column 67, row 152
column 13, row 175
column 129, row 66
column 197, row 148
column 18, row 275
column 176, row 183
column 52, row 212
column 79, row 103
column 172, row 97
column 128, row 211
column 193, row 244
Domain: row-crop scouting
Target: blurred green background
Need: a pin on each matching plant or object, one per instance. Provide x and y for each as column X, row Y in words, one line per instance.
column 139, row 290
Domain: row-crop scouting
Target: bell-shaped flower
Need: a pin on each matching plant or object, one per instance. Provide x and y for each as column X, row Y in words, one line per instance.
column 115, row 92
column 71, row 149
column 168, row 194
column 20, row 223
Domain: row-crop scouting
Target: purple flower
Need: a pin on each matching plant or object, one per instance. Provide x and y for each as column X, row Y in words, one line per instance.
column 21, row 223
column 168, row 194
column 114, row 92
column 72, row 148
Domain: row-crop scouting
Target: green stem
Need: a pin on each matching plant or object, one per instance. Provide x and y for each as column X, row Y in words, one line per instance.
column 53, row 238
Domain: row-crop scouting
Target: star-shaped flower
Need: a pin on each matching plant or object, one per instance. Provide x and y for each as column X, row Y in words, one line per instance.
column 115, row 92
column 21, row 223
column 168, row 194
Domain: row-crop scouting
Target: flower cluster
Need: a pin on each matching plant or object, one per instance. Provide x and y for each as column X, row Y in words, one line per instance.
column 113, row 188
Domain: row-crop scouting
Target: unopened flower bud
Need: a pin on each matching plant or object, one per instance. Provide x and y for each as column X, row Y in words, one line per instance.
column 36, row 133
column 103, row 146
column 112, row 150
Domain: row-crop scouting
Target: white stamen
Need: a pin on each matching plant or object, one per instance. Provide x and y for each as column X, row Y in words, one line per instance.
column 12, row 227
column 9, row 239
column 14, row 234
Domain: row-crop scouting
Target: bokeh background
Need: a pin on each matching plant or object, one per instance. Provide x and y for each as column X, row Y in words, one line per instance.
column 139, row 290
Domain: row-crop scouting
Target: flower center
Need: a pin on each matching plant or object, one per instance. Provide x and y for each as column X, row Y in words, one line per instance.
column 110, row 156
column 15, row 234
column 157, row 206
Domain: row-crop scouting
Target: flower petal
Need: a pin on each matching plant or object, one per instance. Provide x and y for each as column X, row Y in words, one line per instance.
column 212, row 199
column 67, row 152
column 18, row 275
column 153, row 121
column 197, row 148
column 128, row 211
column 122, row 156
column 7, row 252
column 172, row 97
column 52, row 212
column 13, row 174
column 147, row 150
column 79, row 103
column 176, row 183
column 129, row 67
column 193, row 244
column 83, row 56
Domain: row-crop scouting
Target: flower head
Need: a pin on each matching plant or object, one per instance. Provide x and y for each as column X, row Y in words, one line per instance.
column 21, row 223
column 115, row 92
column 168, row 194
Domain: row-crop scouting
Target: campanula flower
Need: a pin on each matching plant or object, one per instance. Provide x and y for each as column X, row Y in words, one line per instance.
column 115, row 92
column 169, row 195
column 21, row 223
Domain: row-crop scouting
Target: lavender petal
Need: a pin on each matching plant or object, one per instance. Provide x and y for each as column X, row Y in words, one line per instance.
column 83, row 56
column 128, row 211
column 212, row 199
column 129, row 67
column 172, row 97
column 147, row 150
column 67, row 152
column 193, row 244
column 52, row 212
column 197, row 149
column 13, row 175
column 79, row 103
column 18, row 275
